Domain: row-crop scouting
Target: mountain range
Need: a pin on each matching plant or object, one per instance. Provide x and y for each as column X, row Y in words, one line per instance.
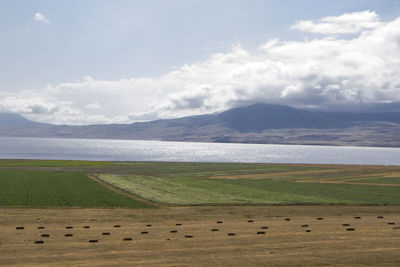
column 258, row 123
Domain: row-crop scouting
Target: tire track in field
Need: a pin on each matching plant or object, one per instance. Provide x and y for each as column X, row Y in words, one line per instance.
column 342, row 182
column 271, row 174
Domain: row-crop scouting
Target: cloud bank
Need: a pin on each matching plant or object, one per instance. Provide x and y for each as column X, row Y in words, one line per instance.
column 332, row 72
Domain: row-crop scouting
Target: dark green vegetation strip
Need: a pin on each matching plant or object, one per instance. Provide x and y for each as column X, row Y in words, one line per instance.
column 152, row 168
column 50, row 163
column 57, row 189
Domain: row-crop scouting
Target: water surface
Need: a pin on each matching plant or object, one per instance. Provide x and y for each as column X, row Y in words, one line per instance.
column 134, row 150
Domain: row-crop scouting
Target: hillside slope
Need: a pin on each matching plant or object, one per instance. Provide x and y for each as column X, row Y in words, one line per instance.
column 258, row 123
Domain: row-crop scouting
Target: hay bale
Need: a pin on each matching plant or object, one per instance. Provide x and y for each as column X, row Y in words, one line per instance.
column 304, row 225
column 20, row 228
column 260, row 233
column 320, row 219
column 214, row 230
column 40, row 227
column 173, row 231
column 39, row 242
column 231, row 234
column 391, row 223
column 287, row 219
column 93, row 241
column 86, row 226
column 127, row 239
column 117, row 226
column 68, row 235
column 178, row 224
column 45, row 235
column 148, row 225
column 346, row 224
column 308, row 231
column 250, row 221
column 219, row 222
column 264, row 227
column 380, row 217
column 188, row 236
column 144, row 233
column 350, row 229
column 106, row 233
column 69, row 227
column 357, row 218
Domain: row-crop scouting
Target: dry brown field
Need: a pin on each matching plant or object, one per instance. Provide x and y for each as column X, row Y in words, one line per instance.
column 285, row 243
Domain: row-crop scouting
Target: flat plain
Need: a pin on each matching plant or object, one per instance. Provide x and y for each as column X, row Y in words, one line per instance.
column 373, row 242
column 79, row 213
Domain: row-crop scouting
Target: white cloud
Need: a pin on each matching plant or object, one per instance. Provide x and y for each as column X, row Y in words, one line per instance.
column 344, row 24
column 325, row 72
column 40, row 18
column 34, row 105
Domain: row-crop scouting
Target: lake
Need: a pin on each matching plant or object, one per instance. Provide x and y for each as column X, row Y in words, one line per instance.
column 135, row 150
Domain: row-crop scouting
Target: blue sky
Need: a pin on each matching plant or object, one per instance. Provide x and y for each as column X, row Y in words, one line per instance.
column 128, row 48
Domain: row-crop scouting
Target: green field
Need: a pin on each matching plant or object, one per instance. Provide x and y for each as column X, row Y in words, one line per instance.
column 56, row 189
column 195, row 191
column 47, row 183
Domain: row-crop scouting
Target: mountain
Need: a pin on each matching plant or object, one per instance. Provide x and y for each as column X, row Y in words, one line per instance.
column 15, row 120
column 258, row 123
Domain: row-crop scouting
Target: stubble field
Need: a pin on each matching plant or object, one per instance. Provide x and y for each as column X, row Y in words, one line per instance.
column 262, row 237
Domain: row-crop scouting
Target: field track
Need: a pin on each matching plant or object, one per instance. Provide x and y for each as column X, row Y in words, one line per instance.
column 285, row 242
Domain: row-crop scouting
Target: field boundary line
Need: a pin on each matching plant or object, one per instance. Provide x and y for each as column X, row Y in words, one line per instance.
column 122, row 192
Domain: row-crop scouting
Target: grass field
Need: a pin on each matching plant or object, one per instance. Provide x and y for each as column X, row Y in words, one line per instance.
column 195, row 191
column 66, row 183
column 56, row 189
column 263, row 184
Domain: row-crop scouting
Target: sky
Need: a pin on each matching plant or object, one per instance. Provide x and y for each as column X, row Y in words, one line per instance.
column 98, row 61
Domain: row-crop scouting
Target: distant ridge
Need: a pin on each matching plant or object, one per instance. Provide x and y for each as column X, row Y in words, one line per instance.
column 258, row 123
column 266, row 116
